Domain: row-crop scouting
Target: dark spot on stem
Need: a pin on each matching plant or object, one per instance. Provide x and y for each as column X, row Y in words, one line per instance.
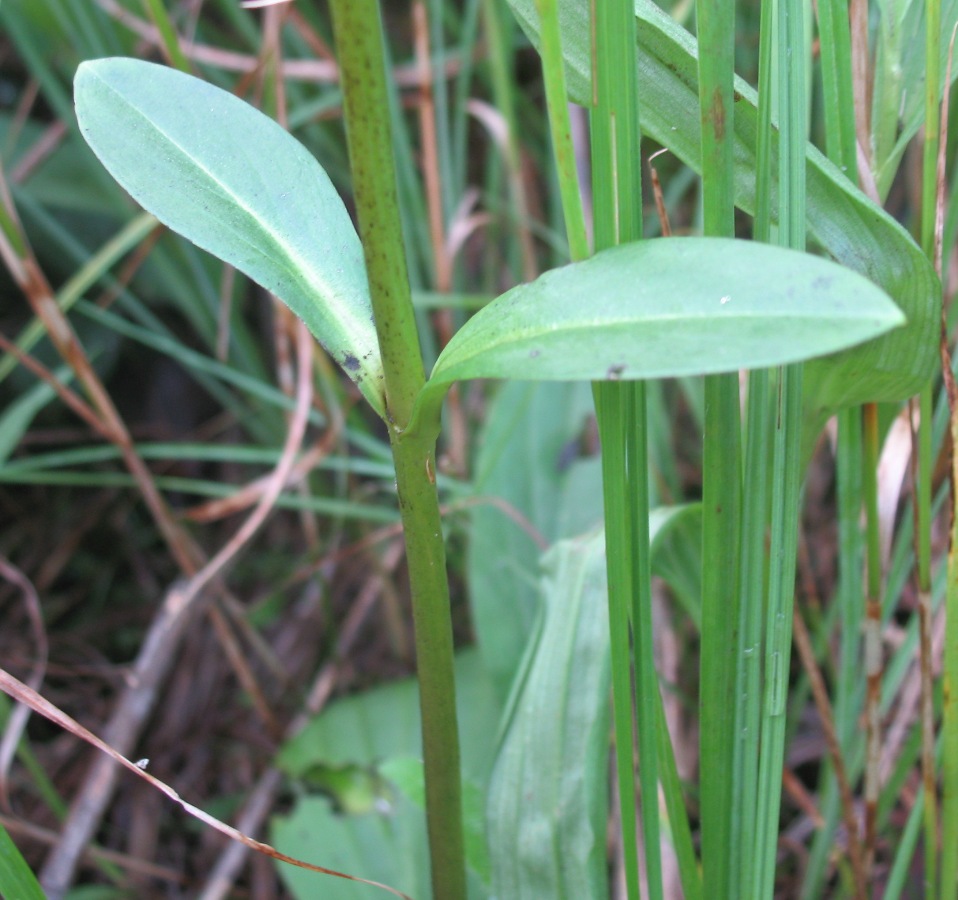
column 717, row 115
column 350, row 362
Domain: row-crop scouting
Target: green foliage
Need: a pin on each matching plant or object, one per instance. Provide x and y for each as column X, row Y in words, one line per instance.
column 368, row 820
column 236, row 184
column 551, row 842
column 667, row 308
column 222, row 174
column 16, row 879
column 841, row 220
column 538, row 454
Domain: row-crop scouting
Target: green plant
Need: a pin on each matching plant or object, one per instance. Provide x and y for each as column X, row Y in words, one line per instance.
column 171, row 143
column 235, row 183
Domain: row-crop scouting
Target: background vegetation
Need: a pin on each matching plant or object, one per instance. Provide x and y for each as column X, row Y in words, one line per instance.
column 163, row 421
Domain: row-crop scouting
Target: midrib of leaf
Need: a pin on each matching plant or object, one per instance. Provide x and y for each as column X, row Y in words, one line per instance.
column 517, row 337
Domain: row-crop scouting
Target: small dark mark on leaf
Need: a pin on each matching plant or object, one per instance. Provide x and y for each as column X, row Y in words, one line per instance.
column 717, row 115
column 350, row 362
column 614, row 373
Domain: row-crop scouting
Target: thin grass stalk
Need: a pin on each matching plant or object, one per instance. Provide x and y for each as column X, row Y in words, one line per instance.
column 169, row 40
column 838, row 101
column 503, row 92
column 923, row 450
column 872, row 630
column 646, row 678
column 615, row 427
column 923, row 489
column 440, row 91
column 898, row 875
column 949, row 777
column 689, row 871
column 617, row 191
column 82, row 280
column 754, row 503
column 611, row 420
column 466, row 42
column 721, row 497
column 560, row 127
column 358, row 34
column 749, row 672
column 648, row 697
column 790, row 78
column 839, row 120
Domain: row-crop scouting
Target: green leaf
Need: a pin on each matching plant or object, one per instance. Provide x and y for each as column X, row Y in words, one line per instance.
column 548, row 798
column 677, row 554
column 841, row 220
column 557, row 488
column 20, row 413
column 231, row 180
column 387, row 845
column 904, row 71
column 16, row 878
column 547, row 803
column 669, row 307
column 406, row 773
column 351, row 752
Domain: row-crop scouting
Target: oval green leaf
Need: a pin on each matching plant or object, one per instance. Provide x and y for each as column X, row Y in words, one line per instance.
column 841, row 219
column 232, row 181
column 667, row 308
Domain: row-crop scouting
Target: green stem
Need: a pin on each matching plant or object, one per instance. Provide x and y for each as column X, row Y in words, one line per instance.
column 358, row 33
column 171, row 43
column 839, row 116
column 618, row 559
column 500, row 59
column 721, row 485
column 789, row 77
column 929, row 243
column 553, row 72
column 872, row 628
column 358, row 30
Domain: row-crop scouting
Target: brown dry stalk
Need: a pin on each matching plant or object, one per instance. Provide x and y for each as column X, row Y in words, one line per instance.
column 17, row 721
column 659, row 199
column 123, row 860
column 260, row 801
column 156, row 655
column 30, row 279
column 872, row 642
column 71, row 399
column 318, row 70
column 822, row 703
column 23, row 694
column 247, row 496
column 861, row 76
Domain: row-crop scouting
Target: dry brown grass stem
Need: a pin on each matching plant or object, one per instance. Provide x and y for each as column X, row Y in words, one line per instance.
column 95, row 853
column 156, row 654
column 820, row 694
column 318, row 70
column 260, row 801
column 23, row 694
column 71, row 399
column 17, row 722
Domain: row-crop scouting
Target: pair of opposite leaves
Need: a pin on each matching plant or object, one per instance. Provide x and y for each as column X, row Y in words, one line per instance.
column 231, row 180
